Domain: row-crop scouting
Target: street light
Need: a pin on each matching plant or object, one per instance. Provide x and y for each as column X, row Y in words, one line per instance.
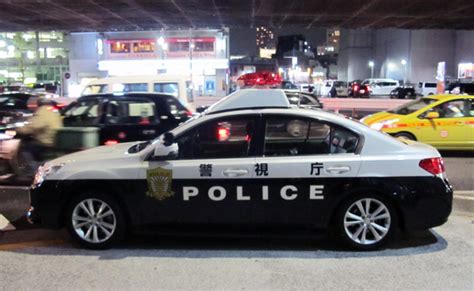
column 371, row 65
column 404, row 63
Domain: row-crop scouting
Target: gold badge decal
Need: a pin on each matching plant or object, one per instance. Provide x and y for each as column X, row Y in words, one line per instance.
column 159, row 183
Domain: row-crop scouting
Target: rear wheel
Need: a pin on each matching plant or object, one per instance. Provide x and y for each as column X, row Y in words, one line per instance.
column 405, row 135
column 95, row 221
column 366, row 222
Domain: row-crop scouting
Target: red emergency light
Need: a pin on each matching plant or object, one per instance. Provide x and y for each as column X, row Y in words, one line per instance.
column 260, row 79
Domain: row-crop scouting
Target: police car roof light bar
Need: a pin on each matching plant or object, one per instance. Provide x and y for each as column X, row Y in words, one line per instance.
column 251, row 99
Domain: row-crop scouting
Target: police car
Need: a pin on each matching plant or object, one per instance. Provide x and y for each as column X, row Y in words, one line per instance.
column 250, row 161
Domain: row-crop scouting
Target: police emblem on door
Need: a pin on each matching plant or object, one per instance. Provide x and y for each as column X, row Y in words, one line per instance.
column 159, row 183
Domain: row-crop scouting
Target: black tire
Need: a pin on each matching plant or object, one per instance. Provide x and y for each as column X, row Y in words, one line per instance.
column 99, row 230
column 371, row 242
column 406, row 135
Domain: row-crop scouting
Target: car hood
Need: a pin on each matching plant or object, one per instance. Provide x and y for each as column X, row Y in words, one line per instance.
column 97, row 153
column 380, row 117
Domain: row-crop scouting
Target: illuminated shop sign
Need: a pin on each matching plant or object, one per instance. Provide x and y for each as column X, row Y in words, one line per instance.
column 465, row 70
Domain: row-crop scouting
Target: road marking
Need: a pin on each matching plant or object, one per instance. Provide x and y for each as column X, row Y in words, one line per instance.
column 5, row 225
column 31, row 244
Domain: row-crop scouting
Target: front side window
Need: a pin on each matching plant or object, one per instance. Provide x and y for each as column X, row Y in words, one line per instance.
column 130, row 112
column 83, row 113
column 450, row 109
column 286, row 136
column 218, row 139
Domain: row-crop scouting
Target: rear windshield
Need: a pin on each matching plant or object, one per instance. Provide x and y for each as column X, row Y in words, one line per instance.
column 412, row 106
column 95, row 89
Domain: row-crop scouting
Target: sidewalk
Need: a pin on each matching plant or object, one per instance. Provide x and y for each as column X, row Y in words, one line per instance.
column 464, row 201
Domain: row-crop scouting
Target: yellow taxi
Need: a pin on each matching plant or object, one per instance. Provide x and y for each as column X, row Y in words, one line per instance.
column 443, row 121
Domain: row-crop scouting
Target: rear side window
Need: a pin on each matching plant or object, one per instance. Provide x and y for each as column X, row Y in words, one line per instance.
column 83, row 113
column 430, row 85
column 286, row 136
column 136, row 87
column 130, row 112
column 170, row 88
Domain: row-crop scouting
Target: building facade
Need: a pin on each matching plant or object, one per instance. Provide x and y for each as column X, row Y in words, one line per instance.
column 202, row 55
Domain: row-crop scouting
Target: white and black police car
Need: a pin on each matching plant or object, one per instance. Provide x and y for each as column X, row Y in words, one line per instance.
column 251, row 161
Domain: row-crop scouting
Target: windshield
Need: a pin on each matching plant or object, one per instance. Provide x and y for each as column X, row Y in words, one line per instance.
column 412, row 106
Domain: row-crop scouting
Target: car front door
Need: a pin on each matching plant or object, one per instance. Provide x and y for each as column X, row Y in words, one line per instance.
column 304, row 166
column 452, row 128
column 209, row 180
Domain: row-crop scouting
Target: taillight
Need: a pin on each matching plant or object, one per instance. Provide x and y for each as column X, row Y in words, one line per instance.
column 434, row 166
column 189, row 113
column 111, row 142
column 356, row 88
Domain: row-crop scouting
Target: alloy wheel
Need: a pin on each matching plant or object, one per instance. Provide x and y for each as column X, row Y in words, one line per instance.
column 93, row 220
column 367, row 221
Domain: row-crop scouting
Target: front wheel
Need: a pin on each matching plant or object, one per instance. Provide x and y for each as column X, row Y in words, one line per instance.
column 366, row 222
column 95, row 221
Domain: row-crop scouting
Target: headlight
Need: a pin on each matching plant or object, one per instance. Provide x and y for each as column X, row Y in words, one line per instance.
column 44, row 172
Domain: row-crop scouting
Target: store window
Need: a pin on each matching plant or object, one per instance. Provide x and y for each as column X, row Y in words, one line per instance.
column 178, row 46
column 144, row 47
column 118, row 47
column 203, row 46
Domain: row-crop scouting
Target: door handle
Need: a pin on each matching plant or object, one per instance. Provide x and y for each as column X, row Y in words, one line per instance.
column 235, row 172
column 338, row 169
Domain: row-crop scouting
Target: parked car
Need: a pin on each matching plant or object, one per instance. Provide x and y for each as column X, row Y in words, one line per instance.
column 126, row 117
column 460, row 88
column 381, row 87
column 403, row 93
column 426, row 88
column 248, row 164
column 303, row 99
column 443, row 121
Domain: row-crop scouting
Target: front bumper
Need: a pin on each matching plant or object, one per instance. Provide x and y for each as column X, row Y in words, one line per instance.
column 47, row 205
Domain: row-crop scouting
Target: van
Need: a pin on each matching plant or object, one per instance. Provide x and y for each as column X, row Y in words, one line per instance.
column 426, row 88
column 176, row 85
column 381, row 87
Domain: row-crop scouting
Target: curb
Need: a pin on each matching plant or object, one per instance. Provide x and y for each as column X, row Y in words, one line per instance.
column 463, row 201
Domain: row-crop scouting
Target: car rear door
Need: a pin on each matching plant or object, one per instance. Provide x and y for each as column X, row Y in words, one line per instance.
column 210, row 181
column 129, row 119
column 304, row 166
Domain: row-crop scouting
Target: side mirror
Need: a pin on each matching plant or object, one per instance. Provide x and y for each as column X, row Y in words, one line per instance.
column 432, row 115
column 168, row 139
column 163, row 152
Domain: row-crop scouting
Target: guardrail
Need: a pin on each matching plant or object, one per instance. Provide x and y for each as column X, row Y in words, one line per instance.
column 360, row 104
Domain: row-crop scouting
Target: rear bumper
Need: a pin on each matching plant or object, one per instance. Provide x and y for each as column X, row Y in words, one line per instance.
column 429, row 205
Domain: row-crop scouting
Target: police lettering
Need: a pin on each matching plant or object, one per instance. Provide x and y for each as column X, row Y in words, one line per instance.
column 219, row 193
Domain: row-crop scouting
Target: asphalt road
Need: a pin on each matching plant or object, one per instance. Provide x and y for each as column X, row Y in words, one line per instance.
column 45, row 260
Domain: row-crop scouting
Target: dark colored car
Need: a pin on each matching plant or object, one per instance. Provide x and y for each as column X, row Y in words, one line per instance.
column 128, row 117
column 403, row 93
column 17, row 107
column 358, row 90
